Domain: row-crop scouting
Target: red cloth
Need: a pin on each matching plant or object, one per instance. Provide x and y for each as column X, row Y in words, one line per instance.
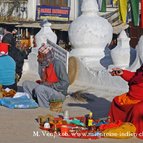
column 135, row 80
column 51, row 76
column 141, row 23
column 125, row 99
column 130, row 112
column 110, row 125
column 4, row 48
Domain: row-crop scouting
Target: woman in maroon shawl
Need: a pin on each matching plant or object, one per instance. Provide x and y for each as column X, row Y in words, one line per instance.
column 128, row 107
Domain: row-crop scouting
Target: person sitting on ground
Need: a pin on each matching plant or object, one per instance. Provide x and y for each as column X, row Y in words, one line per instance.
column 128, row 107
column 14, row 52
column 54, row 79
column 7, row 68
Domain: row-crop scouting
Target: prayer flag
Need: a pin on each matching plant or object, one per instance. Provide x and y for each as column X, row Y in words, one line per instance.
column 123, row 10
column 115, row 1
column 135, row 11
column 103, row 6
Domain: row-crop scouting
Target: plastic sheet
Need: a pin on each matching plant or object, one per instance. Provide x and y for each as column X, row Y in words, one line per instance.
column 18, row 103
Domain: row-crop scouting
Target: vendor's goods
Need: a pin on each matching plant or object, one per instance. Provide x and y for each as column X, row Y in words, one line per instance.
column 66, row 115
column 64, row 129
column 9, row 93
column 6, row 93
column 47, row 124
column 43, row 119
column 76, row 127
column 56, row 106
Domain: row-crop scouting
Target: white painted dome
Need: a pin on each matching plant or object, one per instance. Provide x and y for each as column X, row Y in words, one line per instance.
column 123, row 35
column 89, row 6
column 90, row 30
column 121, row 53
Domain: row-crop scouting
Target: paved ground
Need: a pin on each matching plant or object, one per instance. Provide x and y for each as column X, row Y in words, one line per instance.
column 20, row 126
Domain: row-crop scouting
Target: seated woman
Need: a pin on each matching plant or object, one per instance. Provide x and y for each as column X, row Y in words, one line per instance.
column 128, row 107
column 7, row 68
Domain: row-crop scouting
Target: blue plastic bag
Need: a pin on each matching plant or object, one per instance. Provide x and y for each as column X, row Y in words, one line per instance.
column 18, row 103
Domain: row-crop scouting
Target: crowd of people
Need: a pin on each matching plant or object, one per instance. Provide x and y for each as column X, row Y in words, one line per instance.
column 54, row 82
column 9, row 42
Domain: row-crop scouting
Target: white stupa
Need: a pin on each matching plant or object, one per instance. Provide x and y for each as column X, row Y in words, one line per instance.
column 45, row 33
column 31, row 65
column 89, row 34
column 139, row 56
column 121, row 53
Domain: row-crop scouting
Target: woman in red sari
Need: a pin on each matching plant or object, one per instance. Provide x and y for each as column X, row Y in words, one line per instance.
column 128, row 107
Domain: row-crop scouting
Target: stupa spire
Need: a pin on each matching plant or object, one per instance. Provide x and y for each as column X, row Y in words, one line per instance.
column 89, row 6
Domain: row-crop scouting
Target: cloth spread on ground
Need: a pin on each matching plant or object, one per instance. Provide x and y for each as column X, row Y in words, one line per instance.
column 18, row 103
column 132, row 110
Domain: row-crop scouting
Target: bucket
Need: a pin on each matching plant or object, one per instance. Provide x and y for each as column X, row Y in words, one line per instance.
column 56, row 106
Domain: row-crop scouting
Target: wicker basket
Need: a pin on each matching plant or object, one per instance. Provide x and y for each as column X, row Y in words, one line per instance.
column 56, row 106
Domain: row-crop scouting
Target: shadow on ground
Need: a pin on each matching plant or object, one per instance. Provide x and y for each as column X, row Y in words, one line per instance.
column 97, row 105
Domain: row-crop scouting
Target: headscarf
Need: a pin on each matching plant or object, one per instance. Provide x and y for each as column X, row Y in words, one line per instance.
column 3, row 49
column 45, row 55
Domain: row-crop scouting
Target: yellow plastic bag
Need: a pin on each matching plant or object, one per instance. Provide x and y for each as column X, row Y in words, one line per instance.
column 126, row 130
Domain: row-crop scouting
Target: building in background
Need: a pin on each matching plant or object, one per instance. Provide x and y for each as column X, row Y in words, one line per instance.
column 29, row 13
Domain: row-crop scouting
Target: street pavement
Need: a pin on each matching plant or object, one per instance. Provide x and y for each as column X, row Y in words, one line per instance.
column 20, row 125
